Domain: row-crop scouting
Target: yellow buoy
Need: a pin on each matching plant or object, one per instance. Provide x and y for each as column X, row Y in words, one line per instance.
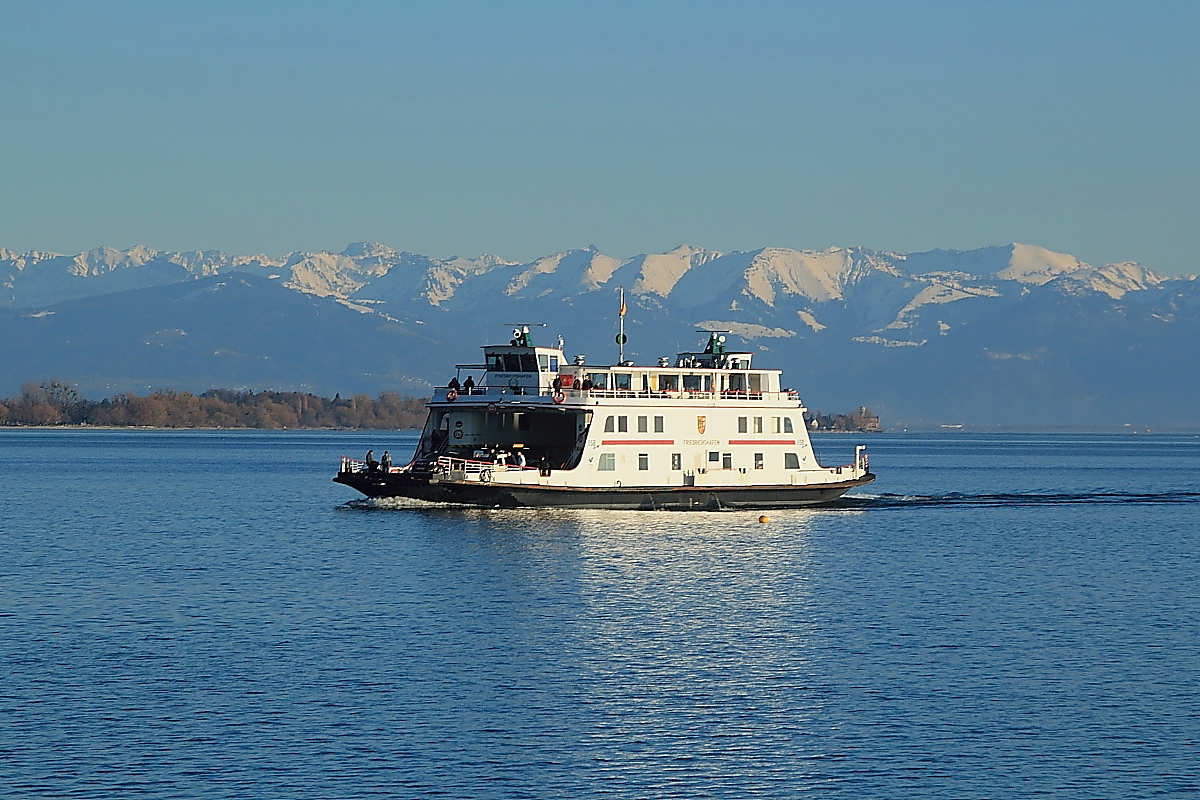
column 762, row 518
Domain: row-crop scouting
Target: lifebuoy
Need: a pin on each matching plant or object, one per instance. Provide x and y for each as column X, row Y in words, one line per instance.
column 559, row 397
column 452, row 395
column 485, row 475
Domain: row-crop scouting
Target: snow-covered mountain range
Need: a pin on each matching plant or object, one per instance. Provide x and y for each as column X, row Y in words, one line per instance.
column 1015, row 334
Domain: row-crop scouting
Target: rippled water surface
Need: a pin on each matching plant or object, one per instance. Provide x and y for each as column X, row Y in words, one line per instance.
column 204, row 614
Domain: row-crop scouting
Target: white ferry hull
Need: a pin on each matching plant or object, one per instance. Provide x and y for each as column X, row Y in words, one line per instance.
column 640, row 498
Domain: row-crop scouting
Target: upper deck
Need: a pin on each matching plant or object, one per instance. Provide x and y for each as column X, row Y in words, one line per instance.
column 542, row 374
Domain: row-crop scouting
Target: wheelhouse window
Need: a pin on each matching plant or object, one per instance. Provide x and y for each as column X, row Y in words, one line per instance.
column 668, row 383
column 599, row 380
column 622, row 381
column 608, row 462
column 692, row 383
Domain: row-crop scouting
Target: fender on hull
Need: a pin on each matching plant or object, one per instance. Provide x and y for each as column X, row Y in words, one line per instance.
column 662, row 498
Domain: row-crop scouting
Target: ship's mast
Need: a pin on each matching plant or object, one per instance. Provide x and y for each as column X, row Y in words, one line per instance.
column 621, row 334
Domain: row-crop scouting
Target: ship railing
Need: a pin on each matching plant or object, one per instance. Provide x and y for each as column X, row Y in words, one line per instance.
column 736, row 395
column 481, row 470
column 358, row 465
column 860, row 467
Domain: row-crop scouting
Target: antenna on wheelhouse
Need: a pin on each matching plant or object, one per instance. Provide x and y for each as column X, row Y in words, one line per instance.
column 521, row 333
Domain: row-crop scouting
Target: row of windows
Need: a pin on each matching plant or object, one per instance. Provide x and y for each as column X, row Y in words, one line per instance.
column 608, row 461
column 755, row 424
column 521, row 362
column 620, row 424
column 673, row 382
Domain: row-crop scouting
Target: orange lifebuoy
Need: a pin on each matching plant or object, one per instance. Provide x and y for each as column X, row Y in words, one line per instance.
column 452, row 395
column 559, row 397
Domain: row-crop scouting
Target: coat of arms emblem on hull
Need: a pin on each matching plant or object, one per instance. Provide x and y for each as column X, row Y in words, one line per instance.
column 700, row 424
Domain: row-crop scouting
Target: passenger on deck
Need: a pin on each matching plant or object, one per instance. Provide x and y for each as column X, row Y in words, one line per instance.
column 453, row 384
column 372, row 465
column 587, row 384
column 385, row 463
column 469, row 385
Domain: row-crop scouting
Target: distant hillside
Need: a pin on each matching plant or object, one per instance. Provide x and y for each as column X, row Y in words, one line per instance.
column 1015, row 335
column 56, row 403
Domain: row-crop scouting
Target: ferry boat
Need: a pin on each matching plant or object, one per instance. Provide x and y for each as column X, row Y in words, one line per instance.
column 706, row 431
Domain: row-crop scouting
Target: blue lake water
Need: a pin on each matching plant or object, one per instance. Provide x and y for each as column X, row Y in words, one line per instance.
column 205, row 614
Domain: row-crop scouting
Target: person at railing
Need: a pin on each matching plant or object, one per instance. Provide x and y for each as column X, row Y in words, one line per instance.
column 453, row 384
column 385, row 463
column 469, row 385
column 372, row 464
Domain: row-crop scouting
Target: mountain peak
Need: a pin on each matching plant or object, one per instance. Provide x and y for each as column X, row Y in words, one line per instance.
column 1029, row 263
column 368, row 250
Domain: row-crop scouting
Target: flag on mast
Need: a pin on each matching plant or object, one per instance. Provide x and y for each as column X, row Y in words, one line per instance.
column 622, row 311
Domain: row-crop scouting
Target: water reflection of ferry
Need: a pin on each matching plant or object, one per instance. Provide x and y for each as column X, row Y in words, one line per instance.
column 704, row 432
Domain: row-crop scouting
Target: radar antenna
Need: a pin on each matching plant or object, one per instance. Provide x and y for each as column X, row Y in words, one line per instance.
column 521, row 332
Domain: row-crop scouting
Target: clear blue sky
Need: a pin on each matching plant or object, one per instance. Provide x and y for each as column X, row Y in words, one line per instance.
column 522, row 128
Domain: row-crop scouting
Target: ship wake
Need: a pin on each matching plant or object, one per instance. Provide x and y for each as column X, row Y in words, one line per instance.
column 1015, row 500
